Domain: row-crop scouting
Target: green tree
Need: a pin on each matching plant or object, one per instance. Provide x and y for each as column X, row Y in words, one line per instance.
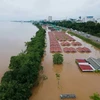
column 16, row 84
column 89, row 27
column 57, row 58
column 95, row 96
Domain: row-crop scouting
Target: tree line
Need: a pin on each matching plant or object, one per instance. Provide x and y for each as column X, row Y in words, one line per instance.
column 88, row 27
column 16, row 84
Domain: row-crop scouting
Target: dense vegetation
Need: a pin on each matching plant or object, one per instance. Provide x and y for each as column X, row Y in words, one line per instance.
column 86, row 39
column 57, row 58
column 16, row 84
column 95, row 96
column 89, row 27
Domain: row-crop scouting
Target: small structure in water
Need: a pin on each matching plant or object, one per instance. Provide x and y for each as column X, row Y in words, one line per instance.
column 63, row 96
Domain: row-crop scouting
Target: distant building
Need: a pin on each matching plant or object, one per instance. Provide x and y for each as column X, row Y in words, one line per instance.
column 72, row 20
column 89, row 18
column 45, row 20
column 79, row 21
column 98, row 20
column 50, row 18
column 83, row 20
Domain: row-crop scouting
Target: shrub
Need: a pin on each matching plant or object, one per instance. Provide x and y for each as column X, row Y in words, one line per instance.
column 57, row 58
column 95, row 96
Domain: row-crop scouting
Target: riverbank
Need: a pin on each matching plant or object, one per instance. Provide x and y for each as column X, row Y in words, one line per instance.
column 24, row 70
column 97, row 45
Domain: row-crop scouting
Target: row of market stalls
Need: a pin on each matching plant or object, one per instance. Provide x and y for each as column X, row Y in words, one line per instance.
column 72, row 43
column 83, row 49
column 79, row 49
column 90, row 64
column 54, row 45
column 61, row 36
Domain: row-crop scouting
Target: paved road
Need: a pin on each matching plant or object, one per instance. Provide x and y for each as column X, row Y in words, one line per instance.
column 94, row 38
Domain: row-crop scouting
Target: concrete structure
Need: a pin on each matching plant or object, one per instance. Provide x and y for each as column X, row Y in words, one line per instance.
column 50, row 18
column 72, row 20
column 79, row 21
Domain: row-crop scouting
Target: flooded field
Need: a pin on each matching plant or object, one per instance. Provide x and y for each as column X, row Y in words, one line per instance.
column 72, row 80
column 12, row 38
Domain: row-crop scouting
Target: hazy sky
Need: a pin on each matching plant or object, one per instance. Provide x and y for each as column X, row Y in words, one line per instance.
column 41, row 9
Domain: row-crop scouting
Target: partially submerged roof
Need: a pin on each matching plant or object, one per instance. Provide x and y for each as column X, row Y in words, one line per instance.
column 63, row 96
column 98, row 59
column 94, row 62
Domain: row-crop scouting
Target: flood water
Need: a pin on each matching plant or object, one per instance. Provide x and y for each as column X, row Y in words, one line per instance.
column 72, row 80
column 12, row 38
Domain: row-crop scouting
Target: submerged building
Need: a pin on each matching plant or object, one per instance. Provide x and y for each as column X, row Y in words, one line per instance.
column 94, row 62
column 90, row 64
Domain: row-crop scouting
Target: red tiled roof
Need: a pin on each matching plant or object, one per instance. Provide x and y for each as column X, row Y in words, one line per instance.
column 81, row 60
column 85, row 67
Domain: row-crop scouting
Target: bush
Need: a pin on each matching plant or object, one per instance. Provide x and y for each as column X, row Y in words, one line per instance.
column 95, row 96
column 57, row 58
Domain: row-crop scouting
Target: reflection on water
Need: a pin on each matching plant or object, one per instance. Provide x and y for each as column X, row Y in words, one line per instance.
column 57, row 68
column 72, row 80
column 12, row 38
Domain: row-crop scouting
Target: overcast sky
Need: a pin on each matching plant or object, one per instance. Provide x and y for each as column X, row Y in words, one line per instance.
column 41, row 9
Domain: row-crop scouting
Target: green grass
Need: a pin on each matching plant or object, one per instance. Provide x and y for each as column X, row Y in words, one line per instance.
column 97, row 45
column 97, row 71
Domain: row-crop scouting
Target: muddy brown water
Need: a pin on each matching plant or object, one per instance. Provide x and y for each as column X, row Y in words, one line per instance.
column 72, row 79
column 12, row 38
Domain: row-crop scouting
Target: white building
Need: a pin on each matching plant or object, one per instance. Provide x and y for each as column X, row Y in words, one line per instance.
column 50, row 18
column 83, row 20
column 89, row 18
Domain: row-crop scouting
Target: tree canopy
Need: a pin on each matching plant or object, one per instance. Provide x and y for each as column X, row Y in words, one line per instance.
column 89, row 27
column 95, row 96
column 57, row 58
column 16, row 84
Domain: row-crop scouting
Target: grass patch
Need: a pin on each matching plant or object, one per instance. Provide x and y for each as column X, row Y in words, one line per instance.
column 97, row 71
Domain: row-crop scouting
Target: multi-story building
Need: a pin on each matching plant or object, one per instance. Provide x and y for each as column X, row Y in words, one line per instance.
column 50, row 18
column 89, row 18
